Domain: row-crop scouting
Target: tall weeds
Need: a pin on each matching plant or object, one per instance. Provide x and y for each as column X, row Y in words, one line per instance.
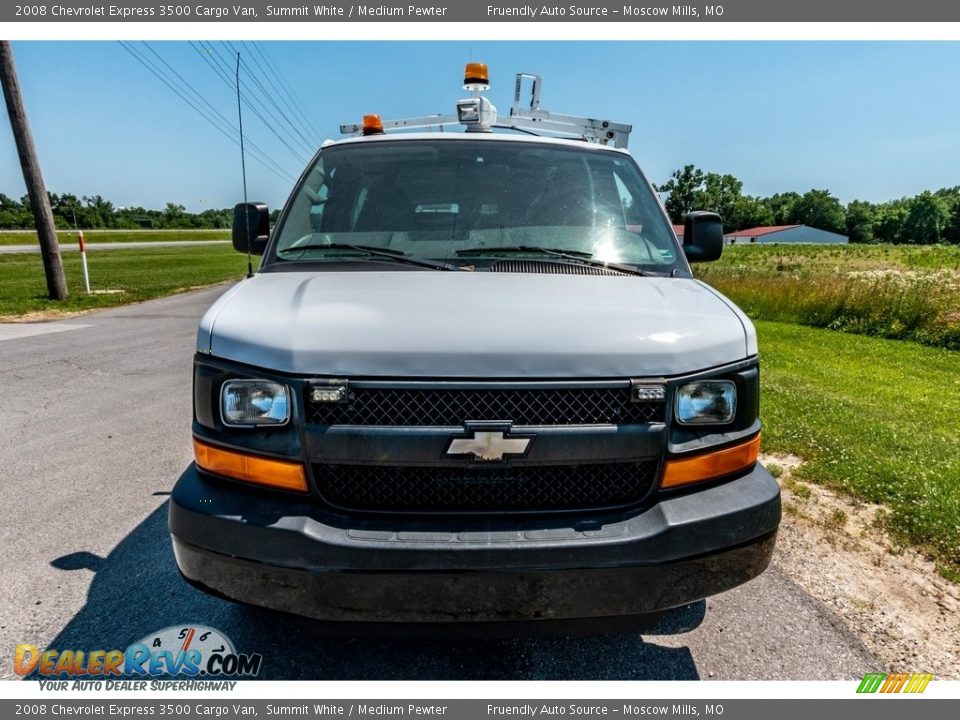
column 922, row 305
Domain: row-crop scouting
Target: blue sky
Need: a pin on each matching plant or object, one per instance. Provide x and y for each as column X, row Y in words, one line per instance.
column 868, row 120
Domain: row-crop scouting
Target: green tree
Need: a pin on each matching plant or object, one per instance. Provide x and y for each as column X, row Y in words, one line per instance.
column 861, row 216
column 951, row 198
column 748, row 212
column 888, row 221
column 99, row 212
column 25, row 219
column 683, row 187
column 694, row 189
column 818, row 209
column 217, row 219
column 927, row 216
column 719, row 194
column 781, row 205
column 67, row 210
column 12, row 213
column 173, row 216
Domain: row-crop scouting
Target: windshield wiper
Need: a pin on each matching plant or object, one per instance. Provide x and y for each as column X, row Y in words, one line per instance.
column 369, row 250
column 577, row 256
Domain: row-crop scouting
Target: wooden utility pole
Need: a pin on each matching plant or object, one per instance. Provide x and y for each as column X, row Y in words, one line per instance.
column 36, row 190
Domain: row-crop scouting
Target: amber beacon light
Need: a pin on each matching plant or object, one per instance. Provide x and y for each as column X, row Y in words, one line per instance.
column 372, row 125
column 476, row 77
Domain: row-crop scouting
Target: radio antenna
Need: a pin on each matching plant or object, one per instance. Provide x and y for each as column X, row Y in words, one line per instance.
column 243, row 171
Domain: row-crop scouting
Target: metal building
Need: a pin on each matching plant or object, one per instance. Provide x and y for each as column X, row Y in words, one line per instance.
column 784, row 234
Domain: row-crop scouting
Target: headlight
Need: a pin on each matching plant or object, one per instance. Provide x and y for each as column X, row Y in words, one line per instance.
column 707, row 402
column 252, row 403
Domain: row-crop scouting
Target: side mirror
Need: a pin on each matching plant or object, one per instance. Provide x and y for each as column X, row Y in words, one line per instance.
column 702, row 236
column 251, row 227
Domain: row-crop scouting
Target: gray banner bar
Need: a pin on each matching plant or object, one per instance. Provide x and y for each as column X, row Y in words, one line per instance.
column 227, row 708
column 629, row 11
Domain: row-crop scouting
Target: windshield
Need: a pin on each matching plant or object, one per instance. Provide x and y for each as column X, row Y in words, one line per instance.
column 468, row 202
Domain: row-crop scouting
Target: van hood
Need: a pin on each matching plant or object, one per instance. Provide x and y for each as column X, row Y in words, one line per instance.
column 475, row 325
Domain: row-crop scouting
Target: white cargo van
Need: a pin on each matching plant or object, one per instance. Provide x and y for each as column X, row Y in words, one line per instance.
column 474, row 379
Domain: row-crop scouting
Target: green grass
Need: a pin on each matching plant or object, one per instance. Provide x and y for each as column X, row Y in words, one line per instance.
column 69, row 237
column 873, row 418
column 141, row 274
column 897, row 292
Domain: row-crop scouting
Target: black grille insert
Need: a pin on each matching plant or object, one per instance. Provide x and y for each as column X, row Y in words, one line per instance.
column 523, row 406
column 378, row 488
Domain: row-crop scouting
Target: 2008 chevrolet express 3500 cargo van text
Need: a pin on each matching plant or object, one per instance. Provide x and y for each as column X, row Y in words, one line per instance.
column 474, row 380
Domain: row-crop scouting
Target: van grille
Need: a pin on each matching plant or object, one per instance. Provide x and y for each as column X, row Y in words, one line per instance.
column 378, row 488
column 452, row 407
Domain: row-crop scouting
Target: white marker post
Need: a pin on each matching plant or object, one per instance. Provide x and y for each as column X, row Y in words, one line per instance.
column 83, row 262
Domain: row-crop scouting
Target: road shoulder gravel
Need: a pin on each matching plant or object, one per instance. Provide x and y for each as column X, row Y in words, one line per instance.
column 891, row 597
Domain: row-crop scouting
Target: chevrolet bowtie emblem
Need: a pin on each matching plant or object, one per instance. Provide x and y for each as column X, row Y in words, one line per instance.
column 488, row 445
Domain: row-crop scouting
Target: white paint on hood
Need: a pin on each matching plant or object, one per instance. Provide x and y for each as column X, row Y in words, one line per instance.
column 425, row 324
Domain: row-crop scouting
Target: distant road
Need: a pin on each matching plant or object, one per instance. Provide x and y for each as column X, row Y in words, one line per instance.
column 73, row 247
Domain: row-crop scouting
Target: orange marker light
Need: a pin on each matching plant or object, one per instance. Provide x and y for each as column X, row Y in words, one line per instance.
column 710, row 465
column 250, row 468
column 476, row 77
column 372, row 125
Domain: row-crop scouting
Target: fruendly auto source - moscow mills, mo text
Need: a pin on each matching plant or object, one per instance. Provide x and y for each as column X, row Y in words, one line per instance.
column 347, row 11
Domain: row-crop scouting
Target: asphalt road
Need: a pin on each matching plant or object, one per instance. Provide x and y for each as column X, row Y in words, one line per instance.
column 95, row 430
column 97, row 246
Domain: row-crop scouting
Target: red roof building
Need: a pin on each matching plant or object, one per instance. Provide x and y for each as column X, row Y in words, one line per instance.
column 784, row 234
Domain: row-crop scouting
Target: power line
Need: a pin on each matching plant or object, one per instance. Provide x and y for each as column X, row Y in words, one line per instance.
column 303, row 141
column 222, row 68
column 307, row 144
column 199, row 96
column 278, row 171
column 224, row 126
column 215, row 55
column 287, row 94
column 273, row 79
column 226, row 121
column 212, row 58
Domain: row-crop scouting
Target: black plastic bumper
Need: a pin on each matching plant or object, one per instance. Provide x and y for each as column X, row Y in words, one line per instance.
column 289, row 554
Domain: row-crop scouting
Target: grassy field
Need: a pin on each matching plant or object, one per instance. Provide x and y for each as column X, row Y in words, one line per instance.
column 139, row 274
column 899, row 292
column 69, row 237
column 871, row 417
column 874, row 418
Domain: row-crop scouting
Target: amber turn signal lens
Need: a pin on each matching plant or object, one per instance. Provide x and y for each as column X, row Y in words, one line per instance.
column 250, row 468
column 710, row 465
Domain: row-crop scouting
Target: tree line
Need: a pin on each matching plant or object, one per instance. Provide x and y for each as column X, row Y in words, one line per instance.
column 927, row 218
column 96, row 213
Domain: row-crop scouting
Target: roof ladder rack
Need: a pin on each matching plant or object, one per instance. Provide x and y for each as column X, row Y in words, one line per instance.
column 533, row 118
column 478, row 115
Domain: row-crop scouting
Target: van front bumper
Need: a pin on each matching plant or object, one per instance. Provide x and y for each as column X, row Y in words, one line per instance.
column 289, row 554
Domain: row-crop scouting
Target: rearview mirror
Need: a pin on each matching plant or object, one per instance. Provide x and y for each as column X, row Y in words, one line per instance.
column 251, row 227
column 702, row 236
